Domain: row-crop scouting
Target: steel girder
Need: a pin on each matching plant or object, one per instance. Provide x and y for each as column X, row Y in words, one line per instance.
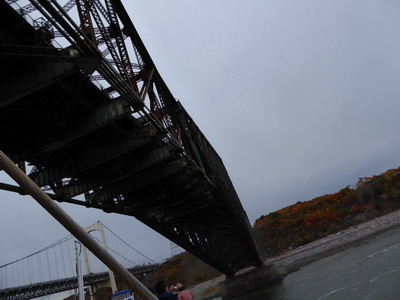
column 18, row 85
column 154, row 164
column 134, row 183
column 133, row 171
column 91, row 158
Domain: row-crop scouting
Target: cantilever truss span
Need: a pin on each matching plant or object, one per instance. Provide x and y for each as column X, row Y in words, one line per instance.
column 93, row 117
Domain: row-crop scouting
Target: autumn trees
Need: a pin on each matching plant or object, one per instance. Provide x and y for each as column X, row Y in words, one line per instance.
column 303, row 222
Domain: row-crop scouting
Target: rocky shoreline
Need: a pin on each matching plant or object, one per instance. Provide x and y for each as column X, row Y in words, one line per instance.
column 299, row 257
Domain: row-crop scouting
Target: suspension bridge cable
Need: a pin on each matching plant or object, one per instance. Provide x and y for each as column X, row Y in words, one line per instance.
column 69, row 249
column 48, row 261
column 55, row 260
column 128, row 244
column 44, row 249
column 113, row 251
column 63, row 260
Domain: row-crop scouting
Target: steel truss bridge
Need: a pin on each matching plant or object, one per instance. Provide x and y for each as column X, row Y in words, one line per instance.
column 84, row 111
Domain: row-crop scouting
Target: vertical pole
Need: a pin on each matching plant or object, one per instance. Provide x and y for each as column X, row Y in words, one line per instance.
column 85, row 257
column 62, row 217
column 81, row 292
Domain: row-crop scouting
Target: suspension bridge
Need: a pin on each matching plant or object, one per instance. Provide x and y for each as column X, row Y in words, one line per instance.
column 86, row 114
column 53, row 269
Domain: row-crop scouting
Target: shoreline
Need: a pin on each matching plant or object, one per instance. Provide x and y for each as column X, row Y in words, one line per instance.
column 335, row 243
column 295, row 259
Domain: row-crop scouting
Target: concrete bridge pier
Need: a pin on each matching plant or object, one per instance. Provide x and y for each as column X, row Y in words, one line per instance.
column 239, row 286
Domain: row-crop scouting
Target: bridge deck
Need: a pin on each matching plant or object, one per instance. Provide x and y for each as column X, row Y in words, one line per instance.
column 150, row 163
column 57, row 286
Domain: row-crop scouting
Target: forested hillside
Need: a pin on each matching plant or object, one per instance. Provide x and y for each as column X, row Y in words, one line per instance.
column 303, row 222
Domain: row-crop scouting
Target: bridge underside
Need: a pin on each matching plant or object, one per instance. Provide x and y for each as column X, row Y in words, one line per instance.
column 85, row 146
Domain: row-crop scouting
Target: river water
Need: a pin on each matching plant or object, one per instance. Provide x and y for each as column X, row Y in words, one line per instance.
column 370, row 271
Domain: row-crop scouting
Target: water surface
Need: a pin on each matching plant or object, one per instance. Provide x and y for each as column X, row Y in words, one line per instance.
column 370, row 271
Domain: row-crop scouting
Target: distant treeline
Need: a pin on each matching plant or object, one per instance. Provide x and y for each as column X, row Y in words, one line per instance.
column 303, row 222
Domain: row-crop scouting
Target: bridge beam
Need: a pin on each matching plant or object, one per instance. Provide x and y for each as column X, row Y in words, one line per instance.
column 25, row 81
column 102, row 115
column 92, row 157
column 131, row 184
column 41, row 129
column 131, row 164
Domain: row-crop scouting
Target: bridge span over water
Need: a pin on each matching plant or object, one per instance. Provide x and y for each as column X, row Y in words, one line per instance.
column 84, row 111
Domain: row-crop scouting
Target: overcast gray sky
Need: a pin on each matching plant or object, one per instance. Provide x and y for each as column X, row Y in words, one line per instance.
column 299, row 98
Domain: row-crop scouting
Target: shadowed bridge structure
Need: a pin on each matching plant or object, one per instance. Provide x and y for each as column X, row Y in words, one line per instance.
column 84, row 111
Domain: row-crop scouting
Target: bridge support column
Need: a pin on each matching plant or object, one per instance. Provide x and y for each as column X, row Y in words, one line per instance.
column 81, row 292
column 244, row 285
column 99, row 227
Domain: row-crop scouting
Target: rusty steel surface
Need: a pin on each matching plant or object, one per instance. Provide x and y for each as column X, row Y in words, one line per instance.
column 124, row 142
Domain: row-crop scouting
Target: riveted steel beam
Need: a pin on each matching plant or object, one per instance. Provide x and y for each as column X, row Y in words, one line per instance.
column 167, row 191
column 120, row 171
column 135, row 182
column 31, row 80
column 90, row 158
column 101, row 116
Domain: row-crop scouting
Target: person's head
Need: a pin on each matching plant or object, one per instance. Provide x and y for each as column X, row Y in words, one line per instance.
column 185, row 295
column 171, row 288
column 160, row 287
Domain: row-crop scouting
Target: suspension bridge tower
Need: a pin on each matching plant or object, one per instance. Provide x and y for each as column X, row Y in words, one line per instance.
column 100, row 228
